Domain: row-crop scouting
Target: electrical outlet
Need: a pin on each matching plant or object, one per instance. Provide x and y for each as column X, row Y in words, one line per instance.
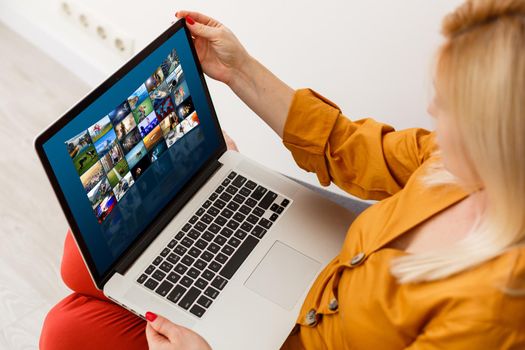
column 100, row 28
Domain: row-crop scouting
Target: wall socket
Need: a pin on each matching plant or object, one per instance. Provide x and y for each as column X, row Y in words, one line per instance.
column 95, row 25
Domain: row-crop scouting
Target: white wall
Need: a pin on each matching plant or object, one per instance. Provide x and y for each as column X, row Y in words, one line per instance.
column 371, row 57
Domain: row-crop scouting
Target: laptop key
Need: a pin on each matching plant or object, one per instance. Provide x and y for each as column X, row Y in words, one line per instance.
column 172, row 258
column 186, row 281
column 181, row 250
column 214, row 248
column 203, row 301
column 227, row 213
column 246, row 226
column 157, row 261
column 164, row 288
column 213, row 197
column 251, row 202
column 164, row 252
column 193, row 219
column 187, row 242
column 252, row 219
column 215, row 266
column 258, row 212
column 206, row 256
column 239, row 181
column 285, row 202
column 200, row 225
column 220, row 220
column 226, row 232
column 233, row 206
column 221, row 258
column 200, row 212
column 197, row 310
column 258, row 231
column 239, row 217
column 201, row 283
column 193, row 273
column 231, row 190
column 274, row 207
column 211, row 292
column 245, row 191
column 279, row 210
column 259, row 192
column 226, row 182
column 188, row 260
column 245, row 210
column 232, row 224
column 240, row 234
column 251, row 185
column 150, row 269
column 166, row 266
column 232, row 175
column 239, row 199
column 234, row 242
column 142, row 278
column 158, row 275
column 180, row 268
column 220, row 240
column 268, row 200
column 207, row 218
column 173, row 277
column 176, row 294
column 189, row 298
column 194, row 234
column 239, row 257
column 200, row 264
column 225, row 197
column 172, row 244
column 208, row 274
column 219, row 282
column 265, row 223
column 212, row 211
column 151, row 283
column 219, row 189
column 179, row 236
column 206, row 204
column 195, row 252
column 274, row 217
column 228, row 250
column 201, row 244
column 186, row 227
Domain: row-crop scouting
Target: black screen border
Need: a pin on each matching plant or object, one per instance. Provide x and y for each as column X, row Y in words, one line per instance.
column 133, row 251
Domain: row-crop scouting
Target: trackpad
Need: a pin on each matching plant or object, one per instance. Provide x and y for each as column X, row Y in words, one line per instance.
column 283, row 275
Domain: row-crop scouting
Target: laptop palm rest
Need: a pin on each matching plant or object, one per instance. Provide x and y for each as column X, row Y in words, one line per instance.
column 283, row 275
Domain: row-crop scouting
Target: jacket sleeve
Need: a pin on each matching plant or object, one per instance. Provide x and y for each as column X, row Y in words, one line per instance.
column 364, row 157
column 468, row 334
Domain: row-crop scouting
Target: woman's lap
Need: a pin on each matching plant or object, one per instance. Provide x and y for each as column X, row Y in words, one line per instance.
column 86, row 318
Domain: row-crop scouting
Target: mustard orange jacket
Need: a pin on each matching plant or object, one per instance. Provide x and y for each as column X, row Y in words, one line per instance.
column 356, row 303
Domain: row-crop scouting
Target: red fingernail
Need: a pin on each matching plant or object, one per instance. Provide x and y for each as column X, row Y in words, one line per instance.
column 150, row 316
column 190, row 20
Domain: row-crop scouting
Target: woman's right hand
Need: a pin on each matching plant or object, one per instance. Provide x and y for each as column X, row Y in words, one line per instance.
column 220, row 53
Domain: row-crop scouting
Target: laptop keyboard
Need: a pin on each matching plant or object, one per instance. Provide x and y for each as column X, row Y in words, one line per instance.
column 199, row 261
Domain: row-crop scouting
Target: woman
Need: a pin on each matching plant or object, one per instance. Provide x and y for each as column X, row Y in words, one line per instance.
column 439, row 262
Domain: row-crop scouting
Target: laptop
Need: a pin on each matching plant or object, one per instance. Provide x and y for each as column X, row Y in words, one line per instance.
column 167, row 220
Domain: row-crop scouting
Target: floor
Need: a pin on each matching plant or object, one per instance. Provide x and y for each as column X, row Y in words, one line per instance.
column 35, row 91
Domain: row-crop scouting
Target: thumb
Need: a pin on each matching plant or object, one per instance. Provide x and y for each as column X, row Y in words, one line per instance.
column 163, row 326
column 201, row 30
column 153, row 337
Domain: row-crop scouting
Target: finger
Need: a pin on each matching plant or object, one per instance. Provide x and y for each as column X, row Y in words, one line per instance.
column 198, row 17
column 204, row 31
column 165, row 327
column 153, row 337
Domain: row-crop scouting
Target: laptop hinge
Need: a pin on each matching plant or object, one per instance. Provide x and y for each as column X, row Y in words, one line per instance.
column 134, row 252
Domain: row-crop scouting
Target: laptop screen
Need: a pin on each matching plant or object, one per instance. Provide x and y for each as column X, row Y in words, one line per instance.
column 127, row 154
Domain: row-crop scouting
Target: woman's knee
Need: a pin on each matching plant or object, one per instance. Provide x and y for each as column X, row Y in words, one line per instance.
column 81, row 322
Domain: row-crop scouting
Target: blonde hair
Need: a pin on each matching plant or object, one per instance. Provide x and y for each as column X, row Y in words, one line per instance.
column 480, row 73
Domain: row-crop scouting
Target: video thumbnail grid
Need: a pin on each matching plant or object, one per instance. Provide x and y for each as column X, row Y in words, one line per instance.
column 115, row 151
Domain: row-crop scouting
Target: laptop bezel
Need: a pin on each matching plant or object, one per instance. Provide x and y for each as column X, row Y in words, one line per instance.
column 156, row 226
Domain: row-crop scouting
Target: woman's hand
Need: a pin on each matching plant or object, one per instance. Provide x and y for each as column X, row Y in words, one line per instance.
column 163, row 334
column 220, row 52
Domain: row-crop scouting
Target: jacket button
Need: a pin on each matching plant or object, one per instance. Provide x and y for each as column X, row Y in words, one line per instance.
column 356, row 260
column 333, row 305
column 310, row 318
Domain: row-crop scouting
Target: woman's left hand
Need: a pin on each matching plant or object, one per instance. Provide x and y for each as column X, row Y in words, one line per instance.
column 162, row 334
